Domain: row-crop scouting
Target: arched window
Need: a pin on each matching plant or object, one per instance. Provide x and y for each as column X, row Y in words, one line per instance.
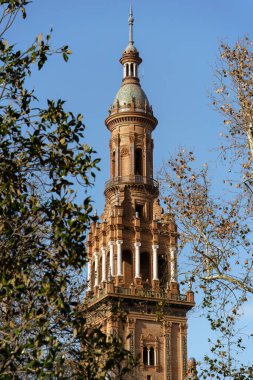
column 138, row 161
column 162, row 271
column 113, row 163
column 100, row 270
column 151, row 356
column 93, row 274
column 107, row 265
column 145, row 269
column 127, row 267
column 127, row 70
column 145, row 356
column 131, row 69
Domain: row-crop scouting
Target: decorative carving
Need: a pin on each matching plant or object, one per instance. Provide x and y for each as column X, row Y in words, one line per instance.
column 132, row 343
column 167, row 349
column 149, row 338
column 184, row 349
column 131, row 139
column 124, row 152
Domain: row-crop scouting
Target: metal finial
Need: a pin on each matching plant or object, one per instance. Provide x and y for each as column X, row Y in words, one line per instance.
column 131, row 23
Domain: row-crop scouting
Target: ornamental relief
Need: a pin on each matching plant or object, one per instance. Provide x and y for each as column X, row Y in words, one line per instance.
column 131, row 139
column 124, row 152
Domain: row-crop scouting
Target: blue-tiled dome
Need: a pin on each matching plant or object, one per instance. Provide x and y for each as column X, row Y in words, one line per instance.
column 131, row 92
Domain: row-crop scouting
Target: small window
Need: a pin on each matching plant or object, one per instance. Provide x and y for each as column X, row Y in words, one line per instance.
column 139, row 210
column 138, row 161
column 113, row 163
column 131, row 69
column 149, row 377
column 152, row 356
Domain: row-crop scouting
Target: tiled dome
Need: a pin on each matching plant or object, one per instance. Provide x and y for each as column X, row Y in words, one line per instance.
column 131, row 92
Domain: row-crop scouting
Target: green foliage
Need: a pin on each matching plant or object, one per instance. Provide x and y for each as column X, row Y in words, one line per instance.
column 43, row 330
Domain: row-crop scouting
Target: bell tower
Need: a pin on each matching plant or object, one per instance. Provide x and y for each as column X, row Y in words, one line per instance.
column 133, row 249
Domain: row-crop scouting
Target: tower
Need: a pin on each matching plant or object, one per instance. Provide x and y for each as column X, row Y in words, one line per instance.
column 133, row 250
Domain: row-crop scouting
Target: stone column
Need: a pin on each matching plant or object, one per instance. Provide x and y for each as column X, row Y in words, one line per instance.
column 119, row 258
column 96, row 269
column 111, row 243
column 155, row 262
column 137, row 260
column 148, row 356
column 156, row 354
column 173, row 264
column 103, row 250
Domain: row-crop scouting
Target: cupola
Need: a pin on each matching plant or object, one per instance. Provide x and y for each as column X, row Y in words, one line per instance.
column 130, row 95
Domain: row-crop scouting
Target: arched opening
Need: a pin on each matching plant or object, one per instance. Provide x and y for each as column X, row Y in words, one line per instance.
column 138, row 161
column 107, row 265
column 113, row 163
column 127, row 262
column 145, row 355
column 127, row 70
column 162, row 271
column 131, row 69
column 100, row 270
column 152, row 356
column 145, row 269
column 93, row 274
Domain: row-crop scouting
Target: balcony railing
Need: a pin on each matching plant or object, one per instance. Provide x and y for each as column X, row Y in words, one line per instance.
column 136, row 292
column 179, row 297
column 140, row 292
column 138, row 179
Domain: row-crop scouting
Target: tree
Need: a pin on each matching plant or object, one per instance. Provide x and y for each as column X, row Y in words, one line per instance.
column 214, row 227
column 43, row 330
column 232, row 98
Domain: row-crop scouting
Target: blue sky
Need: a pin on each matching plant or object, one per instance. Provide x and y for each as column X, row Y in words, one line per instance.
column 178, row 41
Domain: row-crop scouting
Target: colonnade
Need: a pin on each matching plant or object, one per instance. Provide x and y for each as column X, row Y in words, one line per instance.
column 137, row 263
column 130, row 70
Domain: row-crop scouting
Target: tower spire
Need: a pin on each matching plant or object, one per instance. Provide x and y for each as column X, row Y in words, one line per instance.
column 131, row 23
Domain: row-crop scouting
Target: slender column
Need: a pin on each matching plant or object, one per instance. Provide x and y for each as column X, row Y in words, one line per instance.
column 155, row 262
column 134, row 69
column 173, row 263
column 119, row 258
column 137, row 259
column 111, row 243
column 156, row 354
column 124, row 74
column 96, row 268
column 155, row 360
column 88, row 276
column 103, row 250
column 148, row 356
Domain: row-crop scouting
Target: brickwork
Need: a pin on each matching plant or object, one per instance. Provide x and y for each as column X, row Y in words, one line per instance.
column 133, row 249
